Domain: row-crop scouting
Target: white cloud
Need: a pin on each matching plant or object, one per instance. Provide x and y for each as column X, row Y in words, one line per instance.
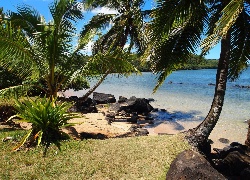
column 88, row 48
column 104, row 10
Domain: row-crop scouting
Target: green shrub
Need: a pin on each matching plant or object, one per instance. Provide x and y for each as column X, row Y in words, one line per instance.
column 46, row 117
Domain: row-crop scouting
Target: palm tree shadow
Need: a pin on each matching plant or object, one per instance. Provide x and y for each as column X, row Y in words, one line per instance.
column 173, row 118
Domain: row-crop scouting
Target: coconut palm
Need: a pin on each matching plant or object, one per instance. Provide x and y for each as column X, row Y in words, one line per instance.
column 43, row 50
column 126, row 27
column 176, row 32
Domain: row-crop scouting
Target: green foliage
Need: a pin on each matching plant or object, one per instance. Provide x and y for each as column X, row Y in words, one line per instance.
column 43, row 51
column 8, row 78
column 127, row 25
column 46, row 117
column 199, row 62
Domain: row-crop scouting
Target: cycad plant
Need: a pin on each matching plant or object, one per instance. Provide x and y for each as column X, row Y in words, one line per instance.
column 46, row 118
column 45, row 51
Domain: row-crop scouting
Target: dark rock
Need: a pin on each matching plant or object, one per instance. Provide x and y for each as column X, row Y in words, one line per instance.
column 73, row 98
column 139, row 105
column 133, row 119
column 110, row 118
column 234, row 146
column 123, row 113
column 6, row 111
column 101, row 98
column 155, row 110
column 245, row 174
column 141, row 132
column 190, row 165
column 85, row 135
column 150, row 100
column 138, row 131
column 150, row 120
column 87, row 106
column 224, row 140
column 115, row 107
column 122, row 99
column 234, row 163
column 211, row 84
column 133, row 128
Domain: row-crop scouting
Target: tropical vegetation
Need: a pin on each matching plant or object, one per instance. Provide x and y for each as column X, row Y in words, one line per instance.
column 41, row 54
column 46, row 118
column 125, row 31
column 177, row 30
column 43, row 51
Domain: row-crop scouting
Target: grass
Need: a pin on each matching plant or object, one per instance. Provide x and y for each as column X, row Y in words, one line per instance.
column 147, row 157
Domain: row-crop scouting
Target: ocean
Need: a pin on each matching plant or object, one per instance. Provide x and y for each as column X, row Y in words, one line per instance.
column 187, row 96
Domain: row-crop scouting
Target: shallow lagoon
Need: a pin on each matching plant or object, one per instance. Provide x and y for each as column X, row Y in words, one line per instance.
column 187, row 96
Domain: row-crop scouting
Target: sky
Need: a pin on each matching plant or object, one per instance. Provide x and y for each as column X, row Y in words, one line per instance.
column 42, row 7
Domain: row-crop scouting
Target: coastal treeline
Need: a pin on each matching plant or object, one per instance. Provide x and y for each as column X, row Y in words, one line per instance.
column 195, row 62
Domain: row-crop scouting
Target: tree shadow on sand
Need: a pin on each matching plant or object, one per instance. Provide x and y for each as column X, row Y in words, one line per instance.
column 174, row 118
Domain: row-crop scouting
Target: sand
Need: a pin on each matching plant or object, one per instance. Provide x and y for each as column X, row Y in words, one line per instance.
column 95, row 123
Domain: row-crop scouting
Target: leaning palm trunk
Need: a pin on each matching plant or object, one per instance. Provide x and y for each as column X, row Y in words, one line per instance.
column 199, row 136
column 91, row 90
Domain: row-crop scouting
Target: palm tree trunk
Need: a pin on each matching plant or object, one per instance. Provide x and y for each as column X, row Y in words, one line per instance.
column 84, row 98
column 198, row 137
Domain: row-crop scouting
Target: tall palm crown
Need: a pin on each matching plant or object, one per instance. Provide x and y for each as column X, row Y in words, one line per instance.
column 45, row 50
column 178, row 26
column 126, row 25
column 176, row 31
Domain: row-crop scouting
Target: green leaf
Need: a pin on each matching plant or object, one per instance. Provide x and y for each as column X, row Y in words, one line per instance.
column 23, row 140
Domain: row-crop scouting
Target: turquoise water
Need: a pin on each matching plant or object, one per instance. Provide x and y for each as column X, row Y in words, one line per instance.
column 188, row 97
column 188, row 88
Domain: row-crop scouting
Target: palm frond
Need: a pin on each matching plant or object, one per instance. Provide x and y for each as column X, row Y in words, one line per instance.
column 228, row 17
column 14, row 91
column 175, row 33
column 240, row 45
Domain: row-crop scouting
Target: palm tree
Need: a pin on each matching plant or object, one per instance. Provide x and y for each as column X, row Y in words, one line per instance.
column 44, row 50
column 176, row 32
column 127, row 27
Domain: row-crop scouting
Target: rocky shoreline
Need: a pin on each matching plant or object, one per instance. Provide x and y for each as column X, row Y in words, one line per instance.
column 105, row 117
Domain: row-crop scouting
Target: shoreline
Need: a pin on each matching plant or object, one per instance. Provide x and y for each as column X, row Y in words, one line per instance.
column 173, row 122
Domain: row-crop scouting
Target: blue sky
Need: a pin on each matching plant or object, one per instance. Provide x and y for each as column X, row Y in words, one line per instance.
column 42, row 7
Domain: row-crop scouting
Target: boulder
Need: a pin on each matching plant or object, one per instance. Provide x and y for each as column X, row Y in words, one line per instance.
column 87, row 106
column 138, row 131
column 110, row 117
column 101, row 98
column 234, row 164
column 190, row 165
column 139, row 105
column 133, row 118
column 122, row 99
